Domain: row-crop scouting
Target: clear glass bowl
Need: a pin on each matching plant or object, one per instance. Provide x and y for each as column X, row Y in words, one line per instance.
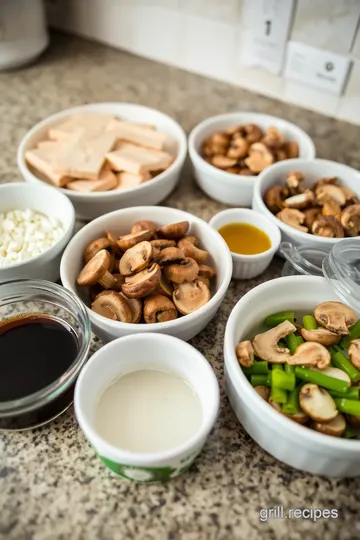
column 20, row 297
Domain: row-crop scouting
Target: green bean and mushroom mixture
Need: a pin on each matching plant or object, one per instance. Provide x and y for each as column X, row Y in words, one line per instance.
column 309, row 371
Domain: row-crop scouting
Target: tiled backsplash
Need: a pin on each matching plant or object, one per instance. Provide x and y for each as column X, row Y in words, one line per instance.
column 205, row 36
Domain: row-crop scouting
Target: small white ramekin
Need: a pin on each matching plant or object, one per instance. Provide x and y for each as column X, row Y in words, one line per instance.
column 133, row 353
column 249, row 266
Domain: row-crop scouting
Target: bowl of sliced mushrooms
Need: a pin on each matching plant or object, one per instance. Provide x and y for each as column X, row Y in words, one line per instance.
column 315, row 203
column 148, row 269
column 292, row 364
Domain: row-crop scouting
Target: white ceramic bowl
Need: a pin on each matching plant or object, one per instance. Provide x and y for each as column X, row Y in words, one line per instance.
column 50, row 202
column 249, row 266
column 233, row 189
column 286, row 440
column 313, row 169
column 124, row 355
column 91, row 205
column 120, row 222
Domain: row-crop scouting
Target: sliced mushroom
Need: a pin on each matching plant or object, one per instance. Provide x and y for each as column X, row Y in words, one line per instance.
column 310, row 354
column 330, row 193
column 292, row 217
column 335, row 373
column 185, row 271
column 191, row 296
column 325, row 181
column 223, row 162
column 204, row 280
column 239, row 148
column 112, row 305
column 332, row 209
column 171, row 255
column 350, row 220
column 263, row 391
column 119, row 281
column 301, row 200
column 97, row 271
column 190, row 250
column 174, row 231
column 293, row 182
column 162, row 243
column 136, row 258
column 142, row 283
column 144, row 225
column 113, row 243
column 164, row 288
column 311, row 215
column 245, row 353
column 335, row 427
column 94, row 247
column 320, row 335
column 206, row 271
column 253, row 133
column 354, row 353
column 299, row 417
column 350, row 196
column 292, row 149
column 135, row 306
column 129, row 240
column 335, row 316
column 159, row 308
column 155, row 253
column 273, row 138
column 273, row 199
column 266, row 344
column 317, row 403
column 259, row 158
column 327, row 226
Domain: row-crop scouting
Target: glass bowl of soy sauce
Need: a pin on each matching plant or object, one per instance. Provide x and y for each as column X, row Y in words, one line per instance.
column 45, row 337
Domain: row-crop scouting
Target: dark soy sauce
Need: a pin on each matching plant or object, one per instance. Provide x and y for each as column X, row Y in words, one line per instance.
column 35, row 350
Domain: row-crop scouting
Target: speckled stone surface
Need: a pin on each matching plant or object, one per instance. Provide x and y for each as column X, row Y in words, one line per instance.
column 52, row 487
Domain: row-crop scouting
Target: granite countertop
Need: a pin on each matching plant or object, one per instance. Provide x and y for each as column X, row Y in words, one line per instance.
column 52, row 487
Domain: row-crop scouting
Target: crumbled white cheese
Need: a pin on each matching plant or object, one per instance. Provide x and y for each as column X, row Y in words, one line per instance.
column 24, row 234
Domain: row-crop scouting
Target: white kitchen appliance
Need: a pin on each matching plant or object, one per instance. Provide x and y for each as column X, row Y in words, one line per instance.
column 23, row 31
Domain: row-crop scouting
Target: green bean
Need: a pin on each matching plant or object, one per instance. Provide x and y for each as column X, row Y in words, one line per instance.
column 278, row 318
column 292, row 404
column 258, row 368
column 291, row 342
column 309, row 322
column 260, row 380
column 277, row 394
column 350, row 393
column 354, row 333
column 289, row 369
column 320, row 379
column 340, row 361
column 347, row 406
column 300, row 340
column 283, row 380
column 350, row 432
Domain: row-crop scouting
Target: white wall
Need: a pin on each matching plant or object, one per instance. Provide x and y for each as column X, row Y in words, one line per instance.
column 204, row 36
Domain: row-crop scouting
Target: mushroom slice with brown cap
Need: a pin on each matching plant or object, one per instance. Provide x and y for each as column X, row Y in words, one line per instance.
column 293, row 181
column 108, row 303
column 135, row 306
column 164, row 288
column 332, row 209
column 136, row 258
column 330, row 193
column 311, row 215
column 185, row 271
column 310, row 354
column 350, row 196
column 171, row 255
column 97, row 271
column 301, row 200
column 320, row 335
column 266, row 344
column 190, row 250
column 162, row 243
column 292, row 217
column 260, row 157
column 354, row 353
column 119, row 281
column 328, row 227
column 129, row 240
column 245, row 353
column 144, row 225
column 273, row 199
column 174, row 231
column 206, row 271
column 253, row 133
column 263, row 391
column 223, row 162
column 159, row 308
column 142, row 283
column 335, row 316
column 273, row 138
column 317, row 403
column 325, row 181
column 94, row 247
column 350, row 220
column 191, row 296
column 204, row 280
column 335, row 373
column 334, row 428
column 113, row 243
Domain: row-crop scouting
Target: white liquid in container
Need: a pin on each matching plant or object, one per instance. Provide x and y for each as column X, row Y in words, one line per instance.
column 148, row 411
